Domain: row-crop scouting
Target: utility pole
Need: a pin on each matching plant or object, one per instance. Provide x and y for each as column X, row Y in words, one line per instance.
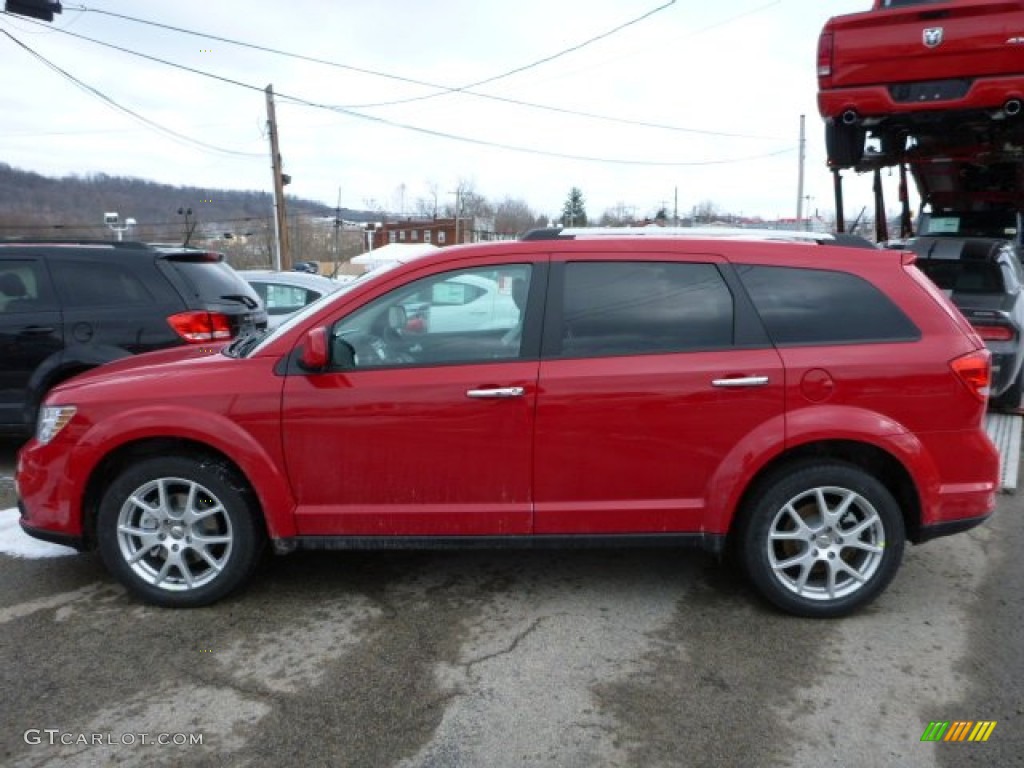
column 675, row 209
column 282, row 255
column 800, row 175
column 337, row 234
column 458, row 207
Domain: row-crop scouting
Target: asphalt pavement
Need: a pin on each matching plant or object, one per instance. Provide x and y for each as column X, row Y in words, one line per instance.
column 576, row 658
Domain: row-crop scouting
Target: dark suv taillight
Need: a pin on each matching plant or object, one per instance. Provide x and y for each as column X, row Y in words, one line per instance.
column 975, row 371
column 198, row 327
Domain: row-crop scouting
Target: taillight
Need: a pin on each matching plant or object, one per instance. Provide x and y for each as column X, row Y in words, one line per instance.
column 825, row 55
column 197, row 327
column 994, row 332
column 975, row 371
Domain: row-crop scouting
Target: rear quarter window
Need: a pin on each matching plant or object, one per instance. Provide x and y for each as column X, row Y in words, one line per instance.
column 815, row 306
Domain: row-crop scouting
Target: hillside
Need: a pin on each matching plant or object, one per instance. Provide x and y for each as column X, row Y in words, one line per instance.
column 32, row 205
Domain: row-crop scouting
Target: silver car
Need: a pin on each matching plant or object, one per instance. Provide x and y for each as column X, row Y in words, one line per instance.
column 284, row 293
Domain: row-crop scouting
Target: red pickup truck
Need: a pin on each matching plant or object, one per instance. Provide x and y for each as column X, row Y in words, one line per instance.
column 920, row 68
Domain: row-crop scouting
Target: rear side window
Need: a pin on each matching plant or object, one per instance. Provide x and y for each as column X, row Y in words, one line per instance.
column 628, row 308
column 97, row 284
column 817, row 306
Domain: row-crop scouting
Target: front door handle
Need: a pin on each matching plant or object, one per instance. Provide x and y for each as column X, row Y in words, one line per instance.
column 745, row 381
column 497, row 392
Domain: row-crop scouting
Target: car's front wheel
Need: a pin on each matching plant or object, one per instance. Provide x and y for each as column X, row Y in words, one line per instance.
column 822, row 539
column 178, row 532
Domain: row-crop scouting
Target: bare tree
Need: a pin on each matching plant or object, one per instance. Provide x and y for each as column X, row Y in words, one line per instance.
column 705, row 211
column 513, row 217
column 619, row 215
column 470, row 202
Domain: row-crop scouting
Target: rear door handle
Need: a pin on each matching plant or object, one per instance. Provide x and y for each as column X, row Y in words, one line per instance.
column 497, row 392
column 36, row 330
column 744, row 381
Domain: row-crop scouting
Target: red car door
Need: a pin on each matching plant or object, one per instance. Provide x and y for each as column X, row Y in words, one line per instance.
column 648, row 405
column 421, row 433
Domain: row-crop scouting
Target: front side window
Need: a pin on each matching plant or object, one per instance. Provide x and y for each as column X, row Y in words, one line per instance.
column 629, row 308
column 816, row 306
column 23, row 287
column 464, row 316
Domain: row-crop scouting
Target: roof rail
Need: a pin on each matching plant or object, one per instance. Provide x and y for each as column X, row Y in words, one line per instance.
column 728, row 233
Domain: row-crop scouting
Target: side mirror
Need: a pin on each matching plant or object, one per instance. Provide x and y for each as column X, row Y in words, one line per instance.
column 314, row 350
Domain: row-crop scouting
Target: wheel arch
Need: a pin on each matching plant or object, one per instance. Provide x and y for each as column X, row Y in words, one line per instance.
column 876, row 461
column 121, row 457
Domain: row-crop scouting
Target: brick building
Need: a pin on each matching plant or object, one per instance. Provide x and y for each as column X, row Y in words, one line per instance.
column 440, row 232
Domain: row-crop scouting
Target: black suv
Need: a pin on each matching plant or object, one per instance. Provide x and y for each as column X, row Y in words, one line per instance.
column 66, row 307
column 983, row 276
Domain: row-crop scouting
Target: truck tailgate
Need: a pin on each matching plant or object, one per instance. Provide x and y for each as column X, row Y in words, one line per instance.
column 931, row 41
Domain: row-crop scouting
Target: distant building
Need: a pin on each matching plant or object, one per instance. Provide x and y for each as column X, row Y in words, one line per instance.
column 439, row 232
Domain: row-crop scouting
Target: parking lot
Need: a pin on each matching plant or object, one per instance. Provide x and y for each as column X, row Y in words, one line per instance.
column 577, row 658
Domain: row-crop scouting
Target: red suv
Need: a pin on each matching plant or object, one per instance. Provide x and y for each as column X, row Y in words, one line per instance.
column 809, row 405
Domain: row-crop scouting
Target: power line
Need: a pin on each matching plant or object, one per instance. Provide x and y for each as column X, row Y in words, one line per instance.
column 110, row 102
column 420, row 129
column 442, row 90
column 532, row 65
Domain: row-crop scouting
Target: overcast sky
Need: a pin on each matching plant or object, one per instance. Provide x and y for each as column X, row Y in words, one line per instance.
column 721, row 86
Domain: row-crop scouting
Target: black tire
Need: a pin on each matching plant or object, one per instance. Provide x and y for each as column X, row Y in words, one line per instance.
column 844, row 144
column 179, row 532
column 1010, row 399
column 820, row 550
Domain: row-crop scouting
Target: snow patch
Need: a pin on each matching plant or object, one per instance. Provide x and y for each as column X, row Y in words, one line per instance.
column 17, row 543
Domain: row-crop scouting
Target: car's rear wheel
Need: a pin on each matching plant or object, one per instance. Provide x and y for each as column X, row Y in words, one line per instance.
column 178, row 532
column 844, row 144
column 822, row 539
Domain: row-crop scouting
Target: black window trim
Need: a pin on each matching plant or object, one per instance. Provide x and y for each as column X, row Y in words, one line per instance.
column 748, row 330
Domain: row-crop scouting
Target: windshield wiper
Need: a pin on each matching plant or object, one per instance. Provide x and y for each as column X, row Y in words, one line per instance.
column 242, row 299
column 244, row 344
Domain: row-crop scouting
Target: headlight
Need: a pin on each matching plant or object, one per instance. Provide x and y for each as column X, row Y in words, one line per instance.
column 52, row 419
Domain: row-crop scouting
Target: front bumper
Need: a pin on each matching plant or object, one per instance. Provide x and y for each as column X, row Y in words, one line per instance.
column 54, row 537
column 45, row 495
